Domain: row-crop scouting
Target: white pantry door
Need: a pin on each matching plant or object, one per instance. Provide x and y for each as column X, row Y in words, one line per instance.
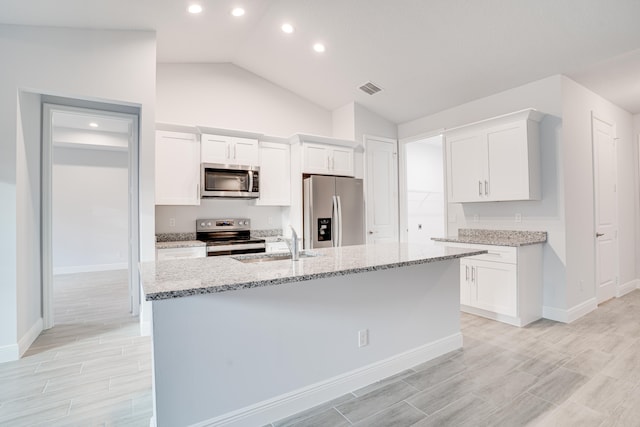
column 606, row 216
column 382, row 189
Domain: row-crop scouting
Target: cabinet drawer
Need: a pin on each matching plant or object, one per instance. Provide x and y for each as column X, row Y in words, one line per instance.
column 180, row 253
column 508, row 254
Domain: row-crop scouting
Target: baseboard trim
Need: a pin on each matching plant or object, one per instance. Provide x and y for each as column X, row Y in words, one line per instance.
column 510, row 320
column 9, row 353
column 32, row 334
column 298, row 400
column 572, row 314
column 625, row 288
column 90, row 268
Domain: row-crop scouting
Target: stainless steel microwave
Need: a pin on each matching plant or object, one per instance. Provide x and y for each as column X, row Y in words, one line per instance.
column 233, row 181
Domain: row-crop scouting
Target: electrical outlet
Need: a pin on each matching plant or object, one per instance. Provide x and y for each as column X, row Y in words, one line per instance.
column 172, row 222
column 270, row 220
column 363, row 338
column 476, row 218
column 453, row 217
column 518, row 217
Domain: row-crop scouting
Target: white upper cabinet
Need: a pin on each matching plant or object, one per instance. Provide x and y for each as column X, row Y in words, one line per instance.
column 230, row 150
column 495, row 160
column 327, row 159
column 275, row 174
column 177, row 168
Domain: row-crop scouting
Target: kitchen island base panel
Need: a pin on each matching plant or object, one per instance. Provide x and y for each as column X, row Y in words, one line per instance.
column 252, row 356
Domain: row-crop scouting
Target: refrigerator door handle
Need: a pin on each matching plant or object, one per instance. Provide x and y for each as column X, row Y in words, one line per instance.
column 334, row 221
column 339, row 221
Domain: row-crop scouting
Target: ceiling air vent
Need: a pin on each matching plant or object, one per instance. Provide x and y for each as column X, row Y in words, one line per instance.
column 370, row 88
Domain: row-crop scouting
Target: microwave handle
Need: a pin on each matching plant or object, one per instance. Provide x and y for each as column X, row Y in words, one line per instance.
column 250, row 181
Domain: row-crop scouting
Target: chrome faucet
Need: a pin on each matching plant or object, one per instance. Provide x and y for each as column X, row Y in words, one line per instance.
column 293, row 245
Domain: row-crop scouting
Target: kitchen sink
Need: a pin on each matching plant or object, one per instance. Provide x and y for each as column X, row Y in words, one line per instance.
column 271, row 257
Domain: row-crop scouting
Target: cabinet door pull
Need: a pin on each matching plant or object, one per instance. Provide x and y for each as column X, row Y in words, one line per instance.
column 228, row 151
column 328, row 163
column 486, row 187
column 466, row 268
column 479, row 188
column 234, row 151
column 473, row 276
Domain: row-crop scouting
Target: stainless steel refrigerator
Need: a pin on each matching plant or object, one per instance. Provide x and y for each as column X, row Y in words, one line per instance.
column 333, row 212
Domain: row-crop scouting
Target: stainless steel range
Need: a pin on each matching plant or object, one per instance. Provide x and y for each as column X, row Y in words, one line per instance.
column 228, row 236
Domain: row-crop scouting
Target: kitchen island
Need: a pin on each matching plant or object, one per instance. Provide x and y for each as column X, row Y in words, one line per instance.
column 247, row 343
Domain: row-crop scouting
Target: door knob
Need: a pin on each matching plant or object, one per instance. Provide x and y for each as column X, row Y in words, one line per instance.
column 370, row 232
column 599, row 234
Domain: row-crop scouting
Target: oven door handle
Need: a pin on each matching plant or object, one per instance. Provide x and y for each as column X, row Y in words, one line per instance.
column 224, row 248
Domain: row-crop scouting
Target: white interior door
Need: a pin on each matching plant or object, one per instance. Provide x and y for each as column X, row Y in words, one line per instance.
column 606, row 218
column 382, row 190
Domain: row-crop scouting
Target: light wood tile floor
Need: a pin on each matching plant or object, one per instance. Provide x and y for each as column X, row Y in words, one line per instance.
column 547, row 374
column 93, row 368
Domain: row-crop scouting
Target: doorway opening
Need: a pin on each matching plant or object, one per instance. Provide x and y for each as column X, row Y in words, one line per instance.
column 89, row 212
column 424, row 202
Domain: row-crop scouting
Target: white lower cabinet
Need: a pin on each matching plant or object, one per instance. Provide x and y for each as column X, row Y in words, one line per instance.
column 504, row 284
column 490, row 286
column 164, row 254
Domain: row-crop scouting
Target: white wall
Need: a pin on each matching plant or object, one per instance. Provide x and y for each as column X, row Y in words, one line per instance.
column 578, row 105
column 546, row 214
column 636, row 143
column 227, row 96
column 90, row 209
column 262, row 217
column 343, row 121
column 112, row 66
column 28, row 301
column 425, row 189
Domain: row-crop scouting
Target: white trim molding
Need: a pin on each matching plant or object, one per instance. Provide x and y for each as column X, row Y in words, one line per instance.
column 625, row 288
column 9, row 353
column 290, row 403
column 32, row 334
column 572, row 314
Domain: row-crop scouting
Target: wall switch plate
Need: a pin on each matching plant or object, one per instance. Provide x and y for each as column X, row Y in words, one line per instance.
column 270, row 220
column 363, row 338
column 518, row 217
column 172, row 222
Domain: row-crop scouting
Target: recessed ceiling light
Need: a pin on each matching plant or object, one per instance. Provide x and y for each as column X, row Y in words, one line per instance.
column 93, row 124
column 319, row 47
column 194, row 8
column 287, row 28
column 238, row 11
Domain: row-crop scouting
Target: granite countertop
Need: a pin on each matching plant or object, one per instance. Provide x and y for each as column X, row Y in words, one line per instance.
column 180, row 244
column 496, row 237
column 184, row 277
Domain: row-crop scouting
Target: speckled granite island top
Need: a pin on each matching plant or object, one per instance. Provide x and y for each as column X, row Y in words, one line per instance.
column 496, row 237
column 184, row 277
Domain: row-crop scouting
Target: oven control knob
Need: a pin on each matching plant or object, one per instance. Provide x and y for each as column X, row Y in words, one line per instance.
column 243, row 223
column 202, row 224
column 209, row 224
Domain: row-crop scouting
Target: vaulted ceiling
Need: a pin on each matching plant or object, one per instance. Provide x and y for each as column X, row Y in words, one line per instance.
column 427, row 55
